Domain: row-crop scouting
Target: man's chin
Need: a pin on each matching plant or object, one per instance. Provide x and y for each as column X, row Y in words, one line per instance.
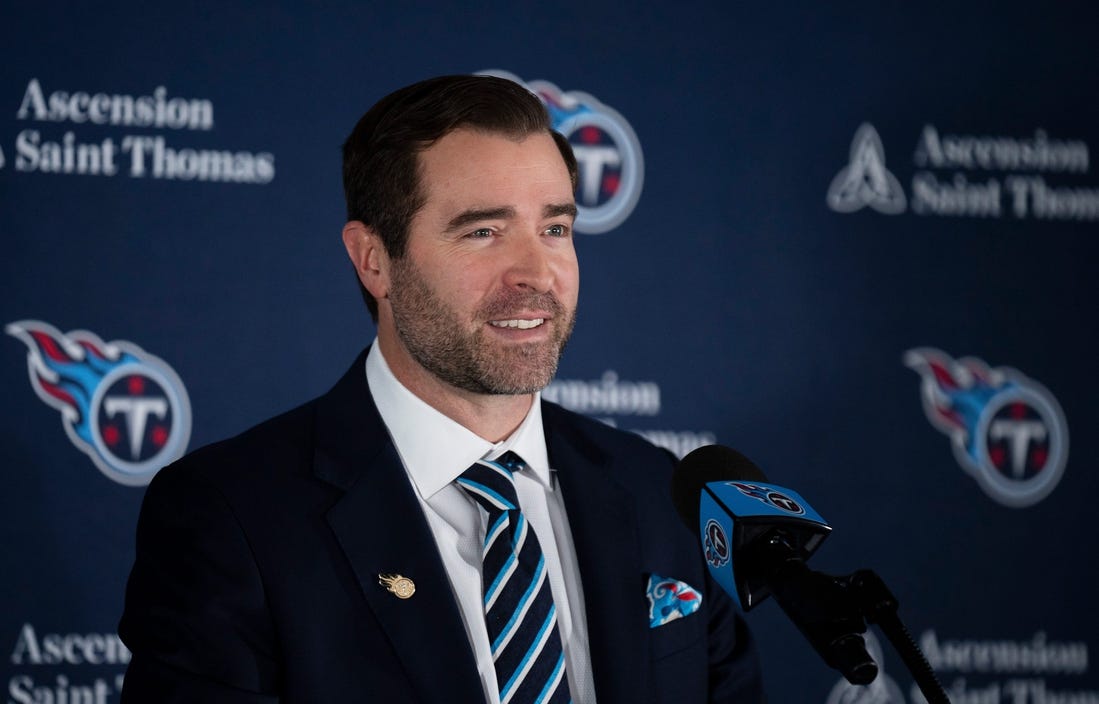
column 522, row 372
column 513, row 384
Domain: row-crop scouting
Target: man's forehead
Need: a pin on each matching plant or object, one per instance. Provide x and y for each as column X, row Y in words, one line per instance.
column 468, row 170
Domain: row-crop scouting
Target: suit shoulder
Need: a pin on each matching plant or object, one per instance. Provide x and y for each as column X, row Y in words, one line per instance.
column 605, row 437
column 281, row 441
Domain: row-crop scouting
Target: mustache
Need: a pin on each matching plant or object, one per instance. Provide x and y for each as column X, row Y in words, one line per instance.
column 509, row 302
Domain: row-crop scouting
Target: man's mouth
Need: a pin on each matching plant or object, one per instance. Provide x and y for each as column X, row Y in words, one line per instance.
column 517, row 323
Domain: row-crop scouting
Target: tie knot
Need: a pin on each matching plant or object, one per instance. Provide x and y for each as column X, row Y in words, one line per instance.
column 490, row 482
column 511, row 461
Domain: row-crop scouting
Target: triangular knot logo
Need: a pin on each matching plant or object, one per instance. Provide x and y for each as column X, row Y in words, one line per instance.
column 865, row 181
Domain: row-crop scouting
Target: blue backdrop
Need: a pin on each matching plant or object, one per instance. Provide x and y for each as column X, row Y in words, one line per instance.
column 857, row 244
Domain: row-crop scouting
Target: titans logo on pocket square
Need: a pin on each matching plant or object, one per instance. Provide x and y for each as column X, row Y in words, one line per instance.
column 670, row 599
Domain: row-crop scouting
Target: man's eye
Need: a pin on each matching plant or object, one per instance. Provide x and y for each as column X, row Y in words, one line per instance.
column 557, row 230
column 481, row 232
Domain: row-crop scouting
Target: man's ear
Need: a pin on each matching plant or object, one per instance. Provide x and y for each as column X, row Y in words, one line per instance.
column 368, row 254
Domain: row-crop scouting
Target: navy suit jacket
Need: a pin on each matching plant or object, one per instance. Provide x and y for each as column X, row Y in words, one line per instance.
column 256, row 575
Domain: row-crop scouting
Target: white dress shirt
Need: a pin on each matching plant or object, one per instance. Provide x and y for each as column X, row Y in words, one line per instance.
column 435, row 450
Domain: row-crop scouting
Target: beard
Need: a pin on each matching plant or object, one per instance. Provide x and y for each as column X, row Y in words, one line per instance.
column 472, row 360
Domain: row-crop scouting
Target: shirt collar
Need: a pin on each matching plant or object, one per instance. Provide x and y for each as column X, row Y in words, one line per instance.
column 435, row 449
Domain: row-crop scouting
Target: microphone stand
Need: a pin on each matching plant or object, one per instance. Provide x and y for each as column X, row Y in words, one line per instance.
column 879, row 607
column 832, row 613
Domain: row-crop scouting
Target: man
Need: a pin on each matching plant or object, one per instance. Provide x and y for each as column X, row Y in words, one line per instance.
column 355, row 549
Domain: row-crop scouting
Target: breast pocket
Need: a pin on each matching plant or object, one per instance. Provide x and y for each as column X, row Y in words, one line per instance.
column 677, row 635
column 678, row 672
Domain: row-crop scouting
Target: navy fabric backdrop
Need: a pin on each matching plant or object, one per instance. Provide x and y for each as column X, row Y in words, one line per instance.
column 862, row 251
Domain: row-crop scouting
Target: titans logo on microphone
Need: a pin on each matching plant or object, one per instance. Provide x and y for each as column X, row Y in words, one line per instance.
column 1007, row 431
column 770, row 497
column 124, row 408
column 715, row 544
column 608, row 154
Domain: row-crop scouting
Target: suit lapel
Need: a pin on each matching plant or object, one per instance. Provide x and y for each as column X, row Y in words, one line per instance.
column 603, row 524
column 382, row 530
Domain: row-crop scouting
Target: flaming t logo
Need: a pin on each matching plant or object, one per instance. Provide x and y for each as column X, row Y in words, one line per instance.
column 124, row 408
column 769, row 496
column 608, row 154
column 1006, row 430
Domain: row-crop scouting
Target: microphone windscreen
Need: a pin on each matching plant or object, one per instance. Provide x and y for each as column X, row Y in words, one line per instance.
column 711, row 463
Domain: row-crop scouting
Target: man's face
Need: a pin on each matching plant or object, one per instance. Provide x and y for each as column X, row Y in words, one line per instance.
column 485, row 296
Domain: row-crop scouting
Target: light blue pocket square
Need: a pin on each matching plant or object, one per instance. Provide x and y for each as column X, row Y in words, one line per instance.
column 670, row 599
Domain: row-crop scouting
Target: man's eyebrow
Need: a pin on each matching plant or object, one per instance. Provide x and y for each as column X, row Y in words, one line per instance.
column 557, row 209
column 467, row 217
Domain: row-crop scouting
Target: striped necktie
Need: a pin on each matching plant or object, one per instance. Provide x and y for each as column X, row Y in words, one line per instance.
column 519, row 609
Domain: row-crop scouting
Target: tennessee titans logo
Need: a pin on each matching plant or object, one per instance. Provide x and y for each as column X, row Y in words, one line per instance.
column 1006, row 430
column 611, row 167
column 770, row 497
column 715, row 545
column 124, row 408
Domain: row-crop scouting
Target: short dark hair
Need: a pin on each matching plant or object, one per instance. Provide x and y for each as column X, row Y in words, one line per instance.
column 381, row 176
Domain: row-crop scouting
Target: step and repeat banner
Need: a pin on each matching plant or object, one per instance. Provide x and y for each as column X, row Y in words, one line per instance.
column 858, row 245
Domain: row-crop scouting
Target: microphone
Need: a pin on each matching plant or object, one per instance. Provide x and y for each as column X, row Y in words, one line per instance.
column 727, row 499
column 756, row 537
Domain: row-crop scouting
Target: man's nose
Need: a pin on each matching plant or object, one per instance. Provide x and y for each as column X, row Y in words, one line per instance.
column 530, row 265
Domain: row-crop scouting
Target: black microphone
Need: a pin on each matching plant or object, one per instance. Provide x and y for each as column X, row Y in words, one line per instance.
column 755, row 538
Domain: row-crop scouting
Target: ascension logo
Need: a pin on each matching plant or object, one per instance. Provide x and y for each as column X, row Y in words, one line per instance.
column 608, row 154
column 985, row 176
column 1007, row 431
column 124, row 408
column 865, row 181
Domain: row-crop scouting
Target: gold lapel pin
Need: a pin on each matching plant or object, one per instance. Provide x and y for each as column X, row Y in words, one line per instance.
column 397, row 584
